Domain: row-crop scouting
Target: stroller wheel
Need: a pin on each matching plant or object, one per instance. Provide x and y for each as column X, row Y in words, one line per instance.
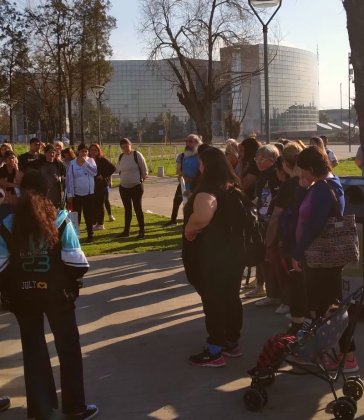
column 353, row 387
column 254, row 400
column 344, row 408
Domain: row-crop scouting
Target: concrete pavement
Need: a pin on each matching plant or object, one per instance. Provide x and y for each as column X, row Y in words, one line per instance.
column 139, row 321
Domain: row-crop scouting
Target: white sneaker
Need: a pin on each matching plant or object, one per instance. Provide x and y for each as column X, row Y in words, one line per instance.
column 282, row 309
column 267, row 302
column 111, row 218
column 288, row 315
column 99, row 227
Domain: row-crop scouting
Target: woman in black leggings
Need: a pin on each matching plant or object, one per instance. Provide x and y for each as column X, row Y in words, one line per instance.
column 133, row 171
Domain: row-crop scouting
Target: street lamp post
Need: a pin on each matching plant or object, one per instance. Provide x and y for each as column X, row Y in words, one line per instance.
column 350, row 75
column 98, row 90
column 264, row 4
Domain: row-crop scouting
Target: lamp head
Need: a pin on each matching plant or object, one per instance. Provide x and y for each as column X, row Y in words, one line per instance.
column 98, row 90
column 263, row 4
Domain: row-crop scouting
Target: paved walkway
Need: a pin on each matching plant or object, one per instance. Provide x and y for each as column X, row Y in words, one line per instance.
column 139, row 321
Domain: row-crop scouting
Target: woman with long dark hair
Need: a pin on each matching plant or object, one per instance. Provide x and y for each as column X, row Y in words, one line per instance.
column 249, row 170
column 214, row 270
column 41, row 263
column 102, row 180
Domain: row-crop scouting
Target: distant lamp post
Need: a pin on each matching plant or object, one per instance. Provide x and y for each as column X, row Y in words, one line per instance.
column 264, row 4
column 98, row 90
column 11, row 103
column 351, row 79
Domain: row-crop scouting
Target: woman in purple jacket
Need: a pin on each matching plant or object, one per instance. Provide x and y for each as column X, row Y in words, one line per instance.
column 324, row 285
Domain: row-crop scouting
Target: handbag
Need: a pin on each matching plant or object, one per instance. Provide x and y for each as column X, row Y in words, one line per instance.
column 338, row 243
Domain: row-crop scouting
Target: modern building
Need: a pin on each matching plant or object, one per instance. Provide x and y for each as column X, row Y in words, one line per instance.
column 293, row 89
column 142, row 97
column 144, row 100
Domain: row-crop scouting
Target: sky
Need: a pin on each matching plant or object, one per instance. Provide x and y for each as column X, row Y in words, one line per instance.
column 308, row 24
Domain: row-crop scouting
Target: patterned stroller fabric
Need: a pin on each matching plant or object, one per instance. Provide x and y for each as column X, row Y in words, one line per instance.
column 323, row 336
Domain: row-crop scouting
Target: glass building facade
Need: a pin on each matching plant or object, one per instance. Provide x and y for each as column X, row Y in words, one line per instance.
column 293, row 89
column 144, row 102
column 142, row 99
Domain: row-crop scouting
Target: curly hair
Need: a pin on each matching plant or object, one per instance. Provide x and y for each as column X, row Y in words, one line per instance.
column 34, row 215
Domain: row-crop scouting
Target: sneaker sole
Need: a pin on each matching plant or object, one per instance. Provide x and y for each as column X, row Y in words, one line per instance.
column 209, row 364
column 232, row 355
column 95, row 414
column 5, row 407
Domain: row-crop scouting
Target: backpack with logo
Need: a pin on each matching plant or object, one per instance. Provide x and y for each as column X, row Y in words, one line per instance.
column 247, row 226
column 34, row 273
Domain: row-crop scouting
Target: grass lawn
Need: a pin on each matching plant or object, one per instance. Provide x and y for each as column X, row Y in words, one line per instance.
column 158, row 237
column 347, row 167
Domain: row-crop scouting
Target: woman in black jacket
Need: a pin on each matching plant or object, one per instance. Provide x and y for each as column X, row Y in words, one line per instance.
column 105, row 169
column 41, row 263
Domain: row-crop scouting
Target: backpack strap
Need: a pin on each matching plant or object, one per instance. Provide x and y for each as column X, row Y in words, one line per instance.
column 137, row 162
column 62, row 227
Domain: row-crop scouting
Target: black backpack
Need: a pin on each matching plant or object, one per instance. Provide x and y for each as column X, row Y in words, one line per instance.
column 247, row 226
column 34, row 274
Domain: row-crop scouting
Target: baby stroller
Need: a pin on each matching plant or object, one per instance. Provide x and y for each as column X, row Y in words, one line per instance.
column 306, row 353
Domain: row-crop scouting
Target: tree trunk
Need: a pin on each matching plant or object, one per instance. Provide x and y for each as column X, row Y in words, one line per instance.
column 201, row 114
column 355, row 18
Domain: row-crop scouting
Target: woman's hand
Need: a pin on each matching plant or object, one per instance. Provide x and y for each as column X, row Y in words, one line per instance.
column 190, row 236
column 296, row 265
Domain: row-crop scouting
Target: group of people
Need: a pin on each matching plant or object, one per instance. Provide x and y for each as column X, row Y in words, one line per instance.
column 295, row 192
column 42, row 263
column 79, row 181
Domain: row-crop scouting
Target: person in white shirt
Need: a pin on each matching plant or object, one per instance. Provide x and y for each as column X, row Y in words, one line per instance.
column 80, row 187
column 133, row 170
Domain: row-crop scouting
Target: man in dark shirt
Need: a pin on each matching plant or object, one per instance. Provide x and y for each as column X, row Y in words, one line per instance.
column 55, row 172
column 32, row 159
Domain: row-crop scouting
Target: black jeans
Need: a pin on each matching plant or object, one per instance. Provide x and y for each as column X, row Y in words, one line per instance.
column 177, row 201
column 324, row 288
column 223, row 308
column 99, row 214
column 132, row 197
column 39, row 381
column 107, row 202
column 85, row 203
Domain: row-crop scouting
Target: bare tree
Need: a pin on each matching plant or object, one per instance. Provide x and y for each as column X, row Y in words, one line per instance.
column 355, row 18
column 188, row 34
